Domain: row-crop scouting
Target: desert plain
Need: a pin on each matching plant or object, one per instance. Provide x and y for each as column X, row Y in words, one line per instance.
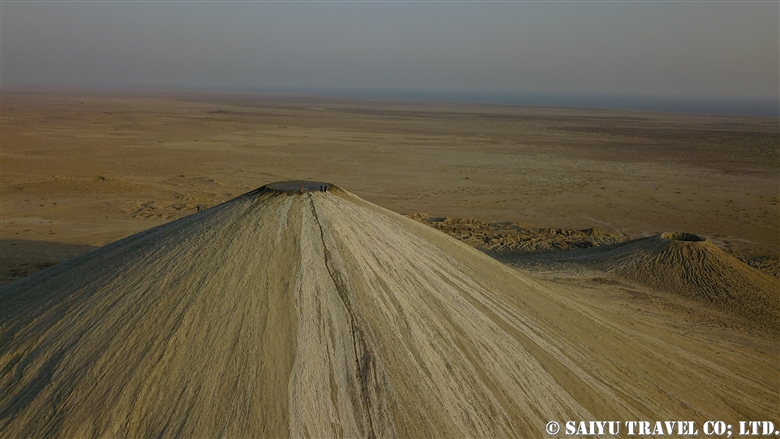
column 83, row 169
column 627, row 316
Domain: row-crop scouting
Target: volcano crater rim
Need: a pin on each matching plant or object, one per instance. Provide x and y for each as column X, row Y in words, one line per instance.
column 299, row 186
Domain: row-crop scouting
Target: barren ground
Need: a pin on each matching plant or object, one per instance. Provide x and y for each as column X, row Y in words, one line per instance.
column 80, row 170
column 606, row 315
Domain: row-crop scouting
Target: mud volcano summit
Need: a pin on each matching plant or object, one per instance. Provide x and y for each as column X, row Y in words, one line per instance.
column 289, row 312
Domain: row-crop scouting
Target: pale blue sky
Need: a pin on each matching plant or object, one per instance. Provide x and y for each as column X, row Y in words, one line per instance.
column 652, row 49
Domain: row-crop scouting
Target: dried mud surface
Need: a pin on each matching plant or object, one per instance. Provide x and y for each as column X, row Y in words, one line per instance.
column 284, row 314
column 517, row 238
column 583, row 308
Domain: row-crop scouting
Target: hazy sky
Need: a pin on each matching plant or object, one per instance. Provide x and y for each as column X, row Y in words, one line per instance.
column 689, row 49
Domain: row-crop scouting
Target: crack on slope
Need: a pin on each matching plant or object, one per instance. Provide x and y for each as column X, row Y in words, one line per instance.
column 363, row 357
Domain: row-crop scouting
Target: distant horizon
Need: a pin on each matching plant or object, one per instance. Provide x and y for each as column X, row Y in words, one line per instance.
column 691, row 57
column 705, row 105
column 714, row 106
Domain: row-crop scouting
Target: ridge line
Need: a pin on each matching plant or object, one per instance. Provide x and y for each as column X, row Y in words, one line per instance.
column 342, row 295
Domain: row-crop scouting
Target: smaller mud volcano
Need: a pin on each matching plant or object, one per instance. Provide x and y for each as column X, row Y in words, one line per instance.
column 299, row 186
column 687, row 265
column 682, row 236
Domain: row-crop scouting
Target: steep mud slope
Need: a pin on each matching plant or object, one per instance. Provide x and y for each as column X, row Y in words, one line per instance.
column 319, row 314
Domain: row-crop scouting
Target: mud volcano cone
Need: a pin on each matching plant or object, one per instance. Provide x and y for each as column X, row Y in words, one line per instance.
column 289, row 312
column 689, row 266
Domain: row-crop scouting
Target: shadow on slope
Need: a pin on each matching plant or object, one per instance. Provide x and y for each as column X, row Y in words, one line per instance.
column 23, row 257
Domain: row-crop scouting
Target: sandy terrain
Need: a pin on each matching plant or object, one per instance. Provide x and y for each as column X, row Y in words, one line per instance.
column 564, row 295
column 81, row 170
column 322, row 315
